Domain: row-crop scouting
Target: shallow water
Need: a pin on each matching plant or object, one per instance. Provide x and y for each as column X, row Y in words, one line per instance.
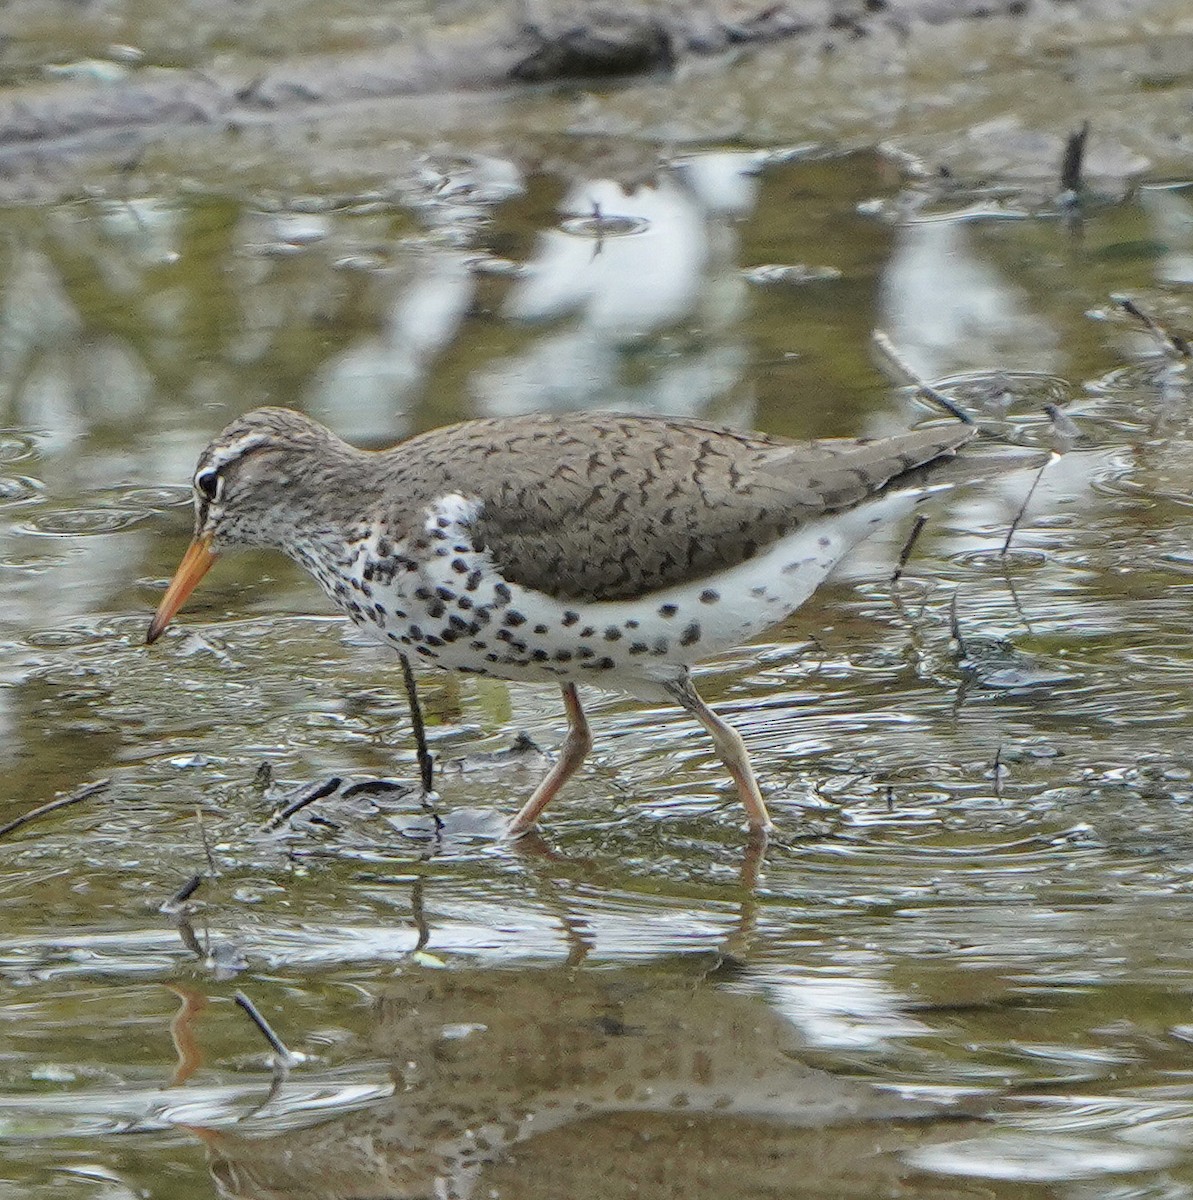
column 978, row 898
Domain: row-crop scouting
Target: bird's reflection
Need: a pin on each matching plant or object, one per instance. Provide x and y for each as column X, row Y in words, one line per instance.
column 563, row 1080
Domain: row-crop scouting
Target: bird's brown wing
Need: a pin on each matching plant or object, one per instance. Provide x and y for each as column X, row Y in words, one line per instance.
column 607, row 507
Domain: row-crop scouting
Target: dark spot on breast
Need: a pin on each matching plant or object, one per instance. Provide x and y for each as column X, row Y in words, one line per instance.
column 612, row 634
column 459, row 566
column 464, row 602
column 587, row 631
column 604, row 664
column 668, row 610
column 585, row 652
column 539, row 656
column 473, row 581
column 502, row 592
column 416, row 632
column 455, row 622
column 445, row 593
column 563, row 656
column 661, row 645
column 422, row 593
column 540, row 630
column 638, row 647
column 443, row 523
column 691, row 635
column 514, row 618
column 825, row 542
column 708, row 596
column 570, row 618
column 383, row 547
column 631, row 624
column 436, row 609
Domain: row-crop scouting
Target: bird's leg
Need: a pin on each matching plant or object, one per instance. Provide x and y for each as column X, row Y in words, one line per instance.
column 571, row 754
column 426, row 764
column 729, row 746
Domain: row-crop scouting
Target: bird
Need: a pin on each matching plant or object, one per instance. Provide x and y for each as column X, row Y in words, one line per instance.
column 580, row 548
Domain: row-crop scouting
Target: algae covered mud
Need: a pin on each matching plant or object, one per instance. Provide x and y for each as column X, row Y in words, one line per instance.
column 961, row 968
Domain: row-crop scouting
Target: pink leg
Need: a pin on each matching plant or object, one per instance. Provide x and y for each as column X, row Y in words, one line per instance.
column 730, row 747
column 571, row 754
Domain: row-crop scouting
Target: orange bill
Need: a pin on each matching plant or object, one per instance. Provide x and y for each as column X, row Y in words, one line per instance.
column 196, row 562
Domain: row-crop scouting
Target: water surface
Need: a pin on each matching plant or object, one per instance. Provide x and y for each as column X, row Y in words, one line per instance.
column 961, row 969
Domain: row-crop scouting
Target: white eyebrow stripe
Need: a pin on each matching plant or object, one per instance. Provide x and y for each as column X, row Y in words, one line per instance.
column 223, row 455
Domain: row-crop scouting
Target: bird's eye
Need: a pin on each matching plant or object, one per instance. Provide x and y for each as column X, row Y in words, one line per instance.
column 207, row 484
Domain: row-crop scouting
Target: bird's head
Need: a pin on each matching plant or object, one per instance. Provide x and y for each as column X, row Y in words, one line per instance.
column 251, row 487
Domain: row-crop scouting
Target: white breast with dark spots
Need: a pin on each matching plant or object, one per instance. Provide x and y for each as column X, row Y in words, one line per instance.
column 437, row 597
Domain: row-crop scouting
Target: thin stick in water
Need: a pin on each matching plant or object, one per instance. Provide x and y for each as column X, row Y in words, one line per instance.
column 1173, row 344
column 308, row 797
column 903, row 371
column 76, row 797
column 1071, row 165
column 955, row 629
column 184, row 893
column 909, row 546
column 211, row 868
column 419, row 913
column 285, row 1058
column 1031, row 491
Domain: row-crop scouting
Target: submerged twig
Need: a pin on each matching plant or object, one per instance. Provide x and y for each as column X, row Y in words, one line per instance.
column 286, row 1058
column 295, row 806
column 955, row 629
column 211, row 867
column 419, row 913
column 1031, row 491
column 184, row 893
column 908, row 546
column 904, row 371
column 1073, row 160
column 76, row 797
column 1172, row 344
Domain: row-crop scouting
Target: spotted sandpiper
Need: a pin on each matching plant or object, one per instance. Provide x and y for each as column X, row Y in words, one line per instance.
column 583, row 548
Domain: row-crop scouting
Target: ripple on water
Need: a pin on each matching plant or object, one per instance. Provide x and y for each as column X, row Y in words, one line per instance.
column 15, row 446
column 19, row 489
column 597, row 225
column 83, row 522
column 999, row 562
column 153, row 498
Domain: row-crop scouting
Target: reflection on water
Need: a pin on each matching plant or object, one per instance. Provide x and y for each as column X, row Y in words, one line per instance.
column 488, row 1065
column 979, row 886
